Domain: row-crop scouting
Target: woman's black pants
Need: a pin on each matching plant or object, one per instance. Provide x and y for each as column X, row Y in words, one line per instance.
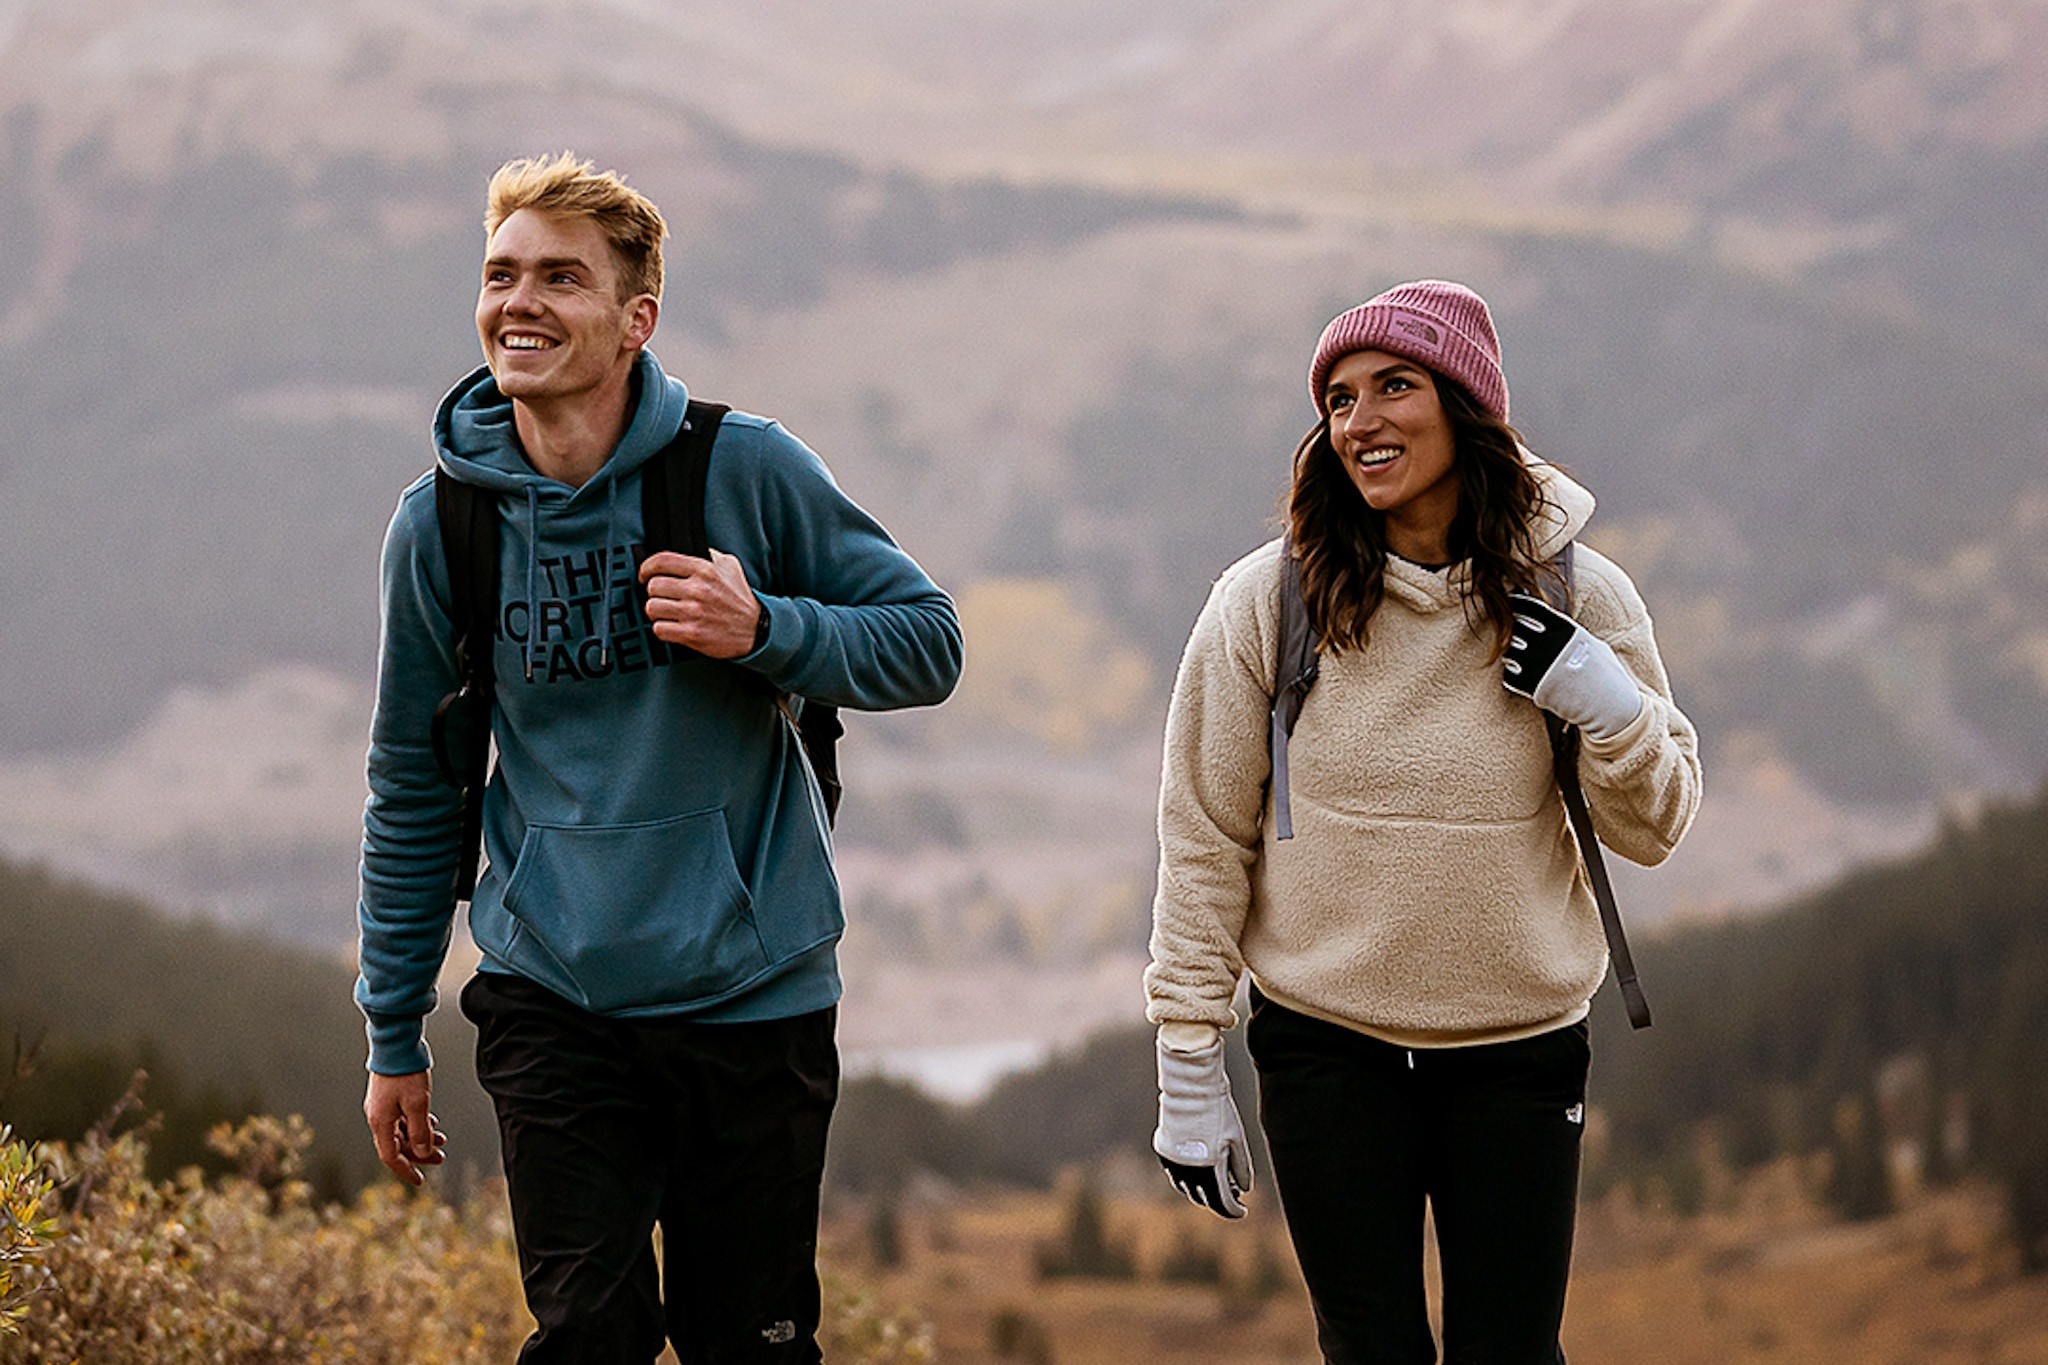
column 1362, row 1134
column 612, row 1127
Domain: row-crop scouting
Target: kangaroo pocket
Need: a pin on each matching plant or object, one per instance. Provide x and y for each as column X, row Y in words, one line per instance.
column 624, row 917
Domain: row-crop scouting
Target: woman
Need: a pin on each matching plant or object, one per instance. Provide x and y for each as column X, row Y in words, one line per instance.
column 1424, row 948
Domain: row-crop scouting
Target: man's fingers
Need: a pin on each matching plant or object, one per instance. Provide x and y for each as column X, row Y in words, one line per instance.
column 401, row 1126
column 391, row 1145
column 386, row 1138
column 419, row 1126
column 673, row 564
column 729, row 568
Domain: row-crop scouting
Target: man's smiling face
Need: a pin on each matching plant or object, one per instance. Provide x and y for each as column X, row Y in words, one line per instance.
column 549, row 313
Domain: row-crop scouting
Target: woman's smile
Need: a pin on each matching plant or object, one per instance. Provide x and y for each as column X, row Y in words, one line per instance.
column 1387, row 423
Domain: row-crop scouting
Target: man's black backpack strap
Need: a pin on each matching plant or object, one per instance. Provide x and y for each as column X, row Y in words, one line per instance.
column 672, row 488
column 461, row 730
column 672, row 484
column 1295, row 669
column 818, row 729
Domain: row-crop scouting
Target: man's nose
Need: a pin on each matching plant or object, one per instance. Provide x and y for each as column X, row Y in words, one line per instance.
column 523, row 298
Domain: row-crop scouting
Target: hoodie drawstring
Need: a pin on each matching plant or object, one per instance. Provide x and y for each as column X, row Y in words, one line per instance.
column 532, row 577
column 604, row 602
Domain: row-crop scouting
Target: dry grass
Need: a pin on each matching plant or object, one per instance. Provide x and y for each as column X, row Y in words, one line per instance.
column 1770, row 1281
column 251, row 1270
column 970, row 1262
column 1766, row 1279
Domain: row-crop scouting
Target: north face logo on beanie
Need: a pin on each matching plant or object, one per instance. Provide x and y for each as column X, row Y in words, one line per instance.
column 1418, row 332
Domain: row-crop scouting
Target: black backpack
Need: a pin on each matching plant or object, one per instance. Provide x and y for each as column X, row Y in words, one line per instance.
column 1295, row 671
column 672, row 512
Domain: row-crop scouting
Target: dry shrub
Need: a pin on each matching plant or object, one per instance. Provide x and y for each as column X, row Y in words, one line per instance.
column 26, row 1228
column 251, row 1270
column 859, row 1329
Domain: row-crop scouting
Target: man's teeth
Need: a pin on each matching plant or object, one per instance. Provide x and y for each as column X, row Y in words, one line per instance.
column 516, row 343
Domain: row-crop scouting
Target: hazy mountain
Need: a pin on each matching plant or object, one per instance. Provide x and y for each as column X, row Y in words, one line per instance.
column 1040, row 282
column 93, row 984
column 1893, row 147
column 1915, row 982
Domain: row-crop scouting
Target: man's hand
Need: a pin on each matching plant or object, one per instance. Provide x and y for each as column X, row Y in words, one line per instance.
column 406, row 1133
column 704, row 604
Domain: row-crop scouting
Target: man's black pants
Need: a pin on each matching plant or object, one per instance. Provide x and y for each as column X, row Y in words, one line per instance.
column 610, row 1127
column 1363, row 1133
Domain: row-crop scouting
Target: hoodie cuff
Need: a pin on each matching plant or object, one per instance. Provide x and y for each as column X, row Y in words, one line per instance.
column 783, row 641
column 398, row 1045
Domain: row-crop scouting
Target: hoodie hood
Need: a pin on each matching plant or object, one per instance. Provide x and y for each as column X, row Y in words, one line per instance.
column 476, row 442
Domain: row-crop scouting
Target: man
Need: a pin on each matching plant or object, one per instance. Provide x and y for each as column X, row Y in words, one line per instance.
column 658, row 915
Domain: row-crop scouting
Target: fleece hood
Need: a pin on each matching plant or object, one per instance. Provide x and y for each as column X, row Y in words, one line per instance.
column 1565, row 509
column 1561, row 516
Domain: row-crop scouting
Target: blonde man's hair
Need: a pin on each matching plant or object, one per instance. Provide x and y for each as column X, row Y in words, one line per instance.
column 568, row 185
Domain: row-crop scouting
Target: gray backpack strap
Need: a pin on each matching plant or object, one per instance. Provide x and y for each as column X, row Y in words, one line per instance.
column 1564, row 753
column 1295, row 666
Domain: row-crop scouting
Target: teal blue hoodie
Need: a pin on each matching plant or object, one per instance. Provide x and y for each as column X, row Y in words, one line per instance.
column 655, row 841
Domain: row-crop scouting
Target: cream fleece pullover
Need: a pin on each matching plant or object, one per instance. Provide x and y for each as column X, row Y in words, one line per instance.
column 1432, row 895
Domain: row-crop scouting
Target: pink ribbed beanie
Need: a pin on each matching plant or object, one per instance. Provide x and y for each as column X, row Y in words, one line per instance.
column 1435, row 323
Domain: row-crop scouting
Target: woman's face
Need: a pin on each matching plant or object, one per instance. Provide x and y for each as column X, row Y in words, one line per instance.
column 1389, row 428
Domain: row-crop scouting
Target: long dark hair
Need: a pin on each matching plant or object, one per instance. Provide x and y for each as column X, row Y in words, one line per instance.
column 1342, row 542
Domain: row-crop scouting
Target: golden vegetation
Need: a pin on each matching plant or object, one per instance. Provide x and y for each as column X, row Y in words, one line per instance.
column 1765, row 1275
column 1041, row 665
column 26, row 1229
column 251, row 1269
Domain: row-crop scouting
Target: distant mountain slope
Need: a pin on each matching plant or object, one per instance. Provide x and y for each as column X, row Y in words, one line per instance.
column 221, row 364
column 1913, row 993
column 1039, row 282
column 1877, row 145
column 244, row 1017
column 1916, row 990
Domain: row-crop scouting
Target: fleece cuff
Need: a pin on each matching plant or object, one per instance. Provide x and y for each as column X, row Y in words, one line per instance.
column 1185, row 1035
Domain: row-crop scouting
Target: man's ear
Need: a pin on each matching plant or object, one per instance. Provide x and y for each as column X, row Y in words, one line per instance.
column 645, row 314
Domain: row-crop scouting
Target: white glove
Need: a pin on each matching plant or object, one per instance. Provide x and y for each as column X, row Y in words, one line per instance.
column 1568, row 670
column 1200, row 1139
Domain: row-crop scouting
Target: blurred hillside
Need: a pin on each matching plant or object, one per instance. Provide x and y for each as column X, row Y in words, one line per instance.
column 1040, row 282
column 95, row 986
column 1888, row 1032
column 1887, row 1035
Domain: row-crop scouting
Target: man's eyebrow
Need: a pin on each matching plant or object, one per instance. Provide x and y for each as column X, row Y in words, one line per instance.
column 544, row 263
